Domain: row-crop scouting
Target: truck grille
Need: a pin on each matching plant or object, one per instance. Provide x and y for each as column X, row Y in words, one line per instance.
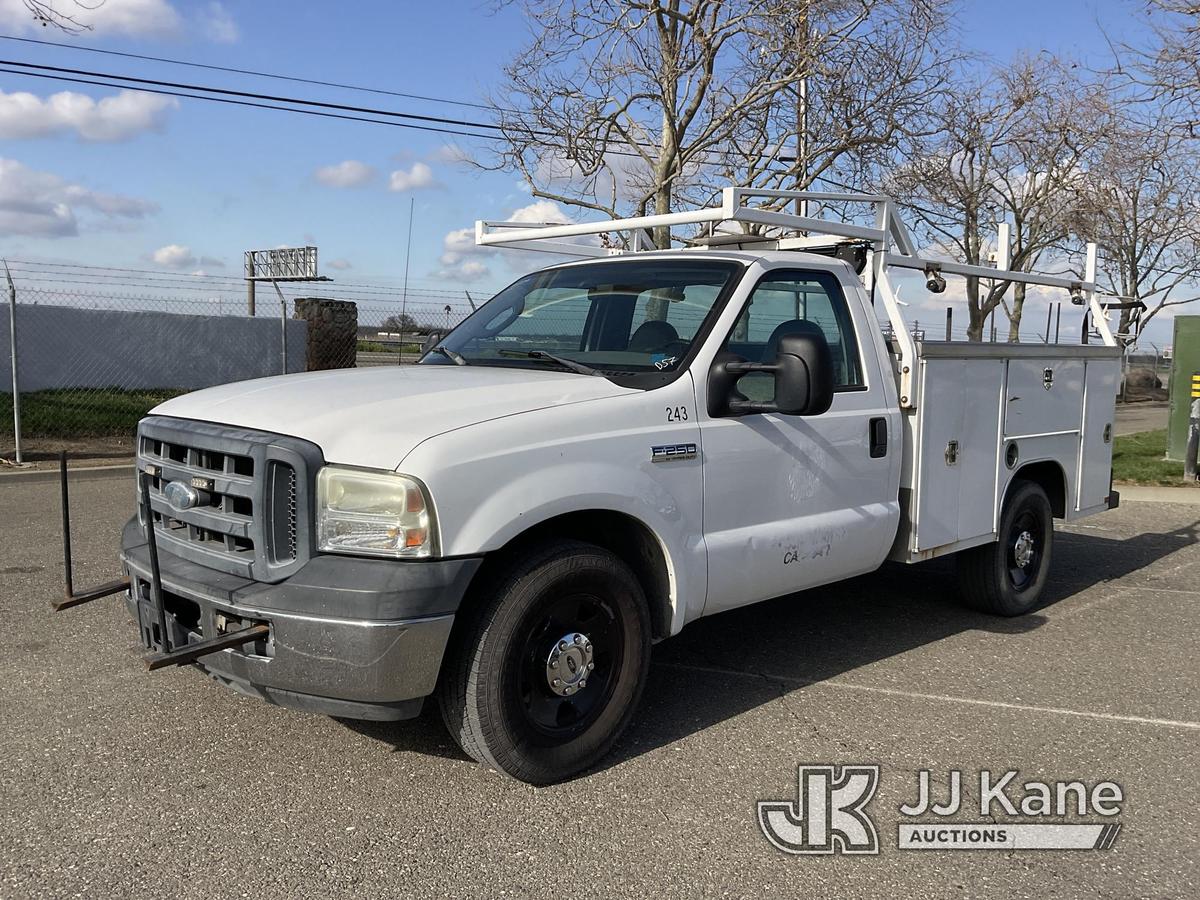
column 250, row 516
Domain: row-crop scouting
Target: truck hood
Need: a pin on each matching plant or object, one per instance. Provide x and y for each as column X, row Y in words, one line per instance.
column 374, row 417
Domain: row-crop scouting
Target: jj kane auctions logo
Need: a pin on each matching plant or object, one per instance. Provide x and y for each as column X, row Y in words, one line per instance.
column 829, row 814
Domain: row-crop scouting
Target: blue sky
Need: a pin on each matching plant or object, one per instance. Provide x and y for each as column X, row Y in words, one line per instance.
column 118, row 184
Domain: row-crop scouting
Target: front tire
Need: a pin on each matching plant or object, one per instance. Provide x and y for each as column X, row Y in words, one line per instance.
column 1006, row 577
column 548, row 668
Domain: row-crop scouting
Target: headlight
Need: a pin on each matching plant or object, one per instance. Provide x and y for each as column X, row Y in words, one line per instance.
column 372, row 513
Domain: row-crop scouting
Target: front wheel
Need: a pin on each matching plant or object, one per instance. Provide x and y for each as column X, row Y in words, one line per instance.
column 1006, row 577
column 549, row 666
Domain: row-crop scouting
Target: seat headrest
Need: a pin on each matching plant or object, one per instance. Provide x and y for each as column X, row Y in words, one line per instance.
column 653, row 335
column 793, row 326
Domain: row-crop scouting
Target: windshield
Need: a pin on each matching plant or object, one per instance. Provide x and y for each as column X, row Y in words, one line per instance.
column 620, row 316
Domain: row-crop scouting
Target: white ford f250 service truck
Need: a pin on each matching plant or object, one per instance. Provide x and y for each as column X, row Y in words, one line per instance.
column 605, row 451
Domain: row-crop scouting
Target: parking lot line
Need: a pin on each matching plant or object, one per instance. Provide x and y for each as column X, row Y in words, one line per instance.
column 942, row 698
column 1161, row 590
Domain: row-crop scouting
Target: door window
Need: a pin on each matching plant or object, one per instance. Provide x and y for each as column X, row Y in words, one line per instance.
column 787, row 302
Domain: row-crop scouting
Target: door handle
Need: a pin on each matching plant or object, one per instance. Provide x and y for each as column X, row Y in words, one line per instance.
column 878, row 434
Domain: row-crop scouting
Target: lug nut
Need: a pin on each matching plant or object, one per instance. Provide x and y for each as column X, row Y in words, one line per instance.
column 554, row 663
column 555, row 683
column 591, row 666
column 587, row 648
column 583, row 683
column 579, row 639
column 562, row 645
column 568, row 689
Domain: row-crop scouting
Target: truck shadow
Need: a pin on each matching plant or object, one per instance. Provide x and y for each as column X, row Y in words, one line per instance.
column 725, row 665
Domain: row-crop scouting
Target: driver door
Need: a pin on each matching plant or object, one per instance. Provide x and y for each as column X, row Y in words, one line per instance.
column 791, row 502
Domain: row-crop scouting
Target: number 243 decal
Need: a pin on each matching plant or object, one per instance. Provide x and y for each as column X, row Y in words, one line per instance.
column 677, row 414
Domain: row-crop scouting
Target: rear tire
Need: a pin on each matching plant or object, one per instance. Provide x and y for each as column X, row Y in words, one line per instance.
column 1006, row 577
column 548, row 668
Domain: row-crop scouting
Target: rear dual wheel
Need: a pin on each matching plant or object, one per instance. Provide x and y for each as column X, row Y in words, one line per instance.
column 546, row 671
column 1006, row 577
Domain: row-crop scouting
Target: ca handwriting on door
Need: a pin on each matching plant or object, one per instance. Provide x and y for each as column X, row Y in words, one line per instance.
column 814, row 548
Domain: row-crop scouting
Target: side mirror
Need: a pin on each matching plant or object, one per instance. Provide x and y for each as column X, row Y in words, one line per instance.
column 803, row 373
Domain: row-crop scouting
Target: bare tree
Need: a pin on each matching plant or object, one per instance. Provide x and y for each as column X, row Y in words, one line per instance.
column 1140, row 202
column 1165, row 71
column 1013, row 148
column 870, row 86
column 623, row 107
column 51, row 14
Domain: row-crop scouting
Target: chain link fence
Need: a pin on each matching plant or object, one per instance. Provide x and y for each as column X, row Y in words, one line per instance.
column 97, row 348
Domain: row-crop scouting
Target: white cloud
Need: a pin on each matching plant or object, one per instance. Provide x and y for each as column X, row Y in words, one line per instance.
column 129, row 18
column 218, row 25
column 41, row 203
column 458, row 242
column 174, row 256
column 132, row 18
column 346, row 174
column 540, row 211
column 450, row 154
column 464, row 260
column 472, row 270
column 114, row 118
column 418, row 177
column 178, row 256
column 340, row 264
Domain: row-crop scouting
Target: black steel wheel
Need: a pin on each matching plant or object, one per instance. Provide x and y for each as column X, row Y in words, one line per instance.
column 1007, row 577
column 567, row 668
column 1024, row 548
column 547, row 669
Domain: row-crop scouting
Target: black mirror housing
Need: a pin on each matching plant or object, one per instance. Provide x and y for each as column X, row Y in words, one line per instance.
column 803, row 373
column 804, row 377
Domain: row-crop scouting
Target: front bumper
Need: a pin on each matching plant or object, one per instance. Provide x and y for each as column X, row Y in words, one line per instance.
column 351, row 637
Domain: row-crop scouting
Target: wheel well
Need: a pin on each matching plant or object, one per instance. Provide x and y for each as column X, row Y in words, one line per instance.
column 1050, row 477
column 616, row 532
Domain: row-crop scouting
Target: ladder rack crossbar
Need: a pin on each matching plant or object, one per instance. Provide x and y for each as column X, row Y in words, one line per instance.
column 953, row 268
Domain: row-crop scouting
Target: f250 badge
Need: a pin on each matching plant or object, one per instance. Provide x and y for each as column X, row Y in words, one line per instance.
column 665, row 452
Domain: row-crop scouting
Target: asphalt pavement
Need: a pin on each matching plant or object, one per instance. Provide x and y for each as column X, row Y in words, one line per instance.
column 1146, row 415
column 118, row 782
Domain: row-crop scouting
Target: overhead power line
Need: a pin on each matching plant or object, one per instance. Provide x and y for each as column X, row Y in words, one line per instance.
column 257, row 74
column 232, row 102
column 273, row 98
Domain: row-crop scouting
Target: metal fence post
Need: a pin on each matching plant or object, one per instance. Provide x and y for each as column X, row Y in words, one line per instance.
column 250, row 284
column 12, row 347
column 283, row 367
column 282, row 327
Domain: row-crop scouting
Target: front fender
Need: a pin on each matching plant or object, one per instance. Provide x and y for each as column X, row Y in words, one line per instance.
column 494, row 481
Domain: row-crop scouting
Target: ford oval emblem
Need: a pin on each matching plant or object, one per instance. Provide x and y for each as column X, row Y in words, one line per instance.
column 181, row 496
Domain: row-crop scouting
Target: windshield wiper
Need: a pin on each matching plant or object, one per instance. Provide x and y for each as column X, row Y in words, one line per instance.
column 551, row 358
column 455, row 357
